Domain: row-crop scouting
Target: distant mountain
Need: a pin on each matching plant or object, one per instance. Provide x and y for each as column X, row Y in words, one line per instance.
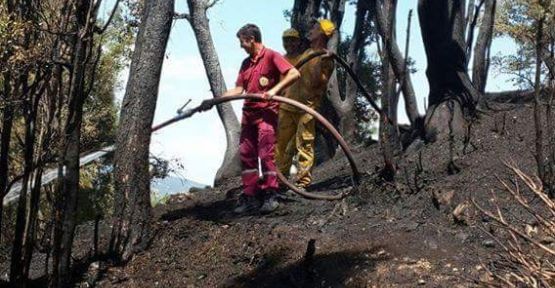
column 173, row 185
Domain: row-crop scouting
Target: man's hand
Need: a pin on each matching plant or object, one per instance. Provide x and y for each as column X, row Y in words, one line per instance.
column 268, row 95
column 206, row 105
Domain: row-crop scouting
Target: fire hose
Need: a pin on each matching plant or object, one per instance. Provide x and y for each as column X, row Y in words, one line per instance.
column 353, row 76
column 356, row 175
column 215, row 101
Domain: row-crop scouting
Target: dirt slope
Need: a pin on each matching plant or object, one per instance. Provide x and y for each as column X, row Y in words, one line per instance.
column 384, row 235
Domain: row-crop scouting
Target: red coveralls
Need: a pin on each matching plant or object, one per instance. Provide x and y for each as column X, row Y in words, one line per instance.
column 259, row 121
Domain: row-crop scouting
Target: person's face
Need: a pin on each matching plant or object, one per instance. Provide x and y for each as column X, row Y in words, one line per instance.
column 291, row 44
column 247, row 43
column 315, row 32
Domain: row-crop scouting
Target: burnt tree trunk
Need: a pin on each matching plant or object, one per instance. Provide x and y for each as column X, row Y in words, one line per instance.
column 231, row 165
column 302, row 13
column 131, row 230
column 538, row 125
column 470, row 25
column 345, row 105
column 27, row 209
column 481, row 59
column 7, row 125
column 41, row 141
column 388, row 135
column 452, row 95
column 348, row 125
column 26, row 92
column 68, row 166
column 5, row 139
column 331, row 105
column 17, row 275
column 397, row 61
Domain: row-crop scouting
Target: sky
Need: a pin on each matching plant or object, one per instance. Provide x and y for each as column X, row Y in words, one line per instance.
column 199, row 142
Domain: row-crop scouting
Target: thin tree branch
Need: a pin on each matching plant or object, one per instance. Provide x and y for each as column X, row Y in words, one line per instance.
column 178, row 16
column 471, row 28
column 95, row 67
column 101, row 31
column 211, row 4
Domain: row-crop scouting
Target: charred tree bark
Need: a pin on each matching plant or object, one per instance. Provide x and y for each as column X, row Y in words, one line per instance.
column 442, row 27
column 539, row 153
column 481, row 59
column 387, row 131
column 17, row 276
column 331, row 106
column 231, row 165
column 470, row 26
column 131, row 230
column 43, row 140
column 27, row 209
column 303, row 12
column 68, row 166
column 347, row 125
column 26, row 95
column 7, row 124
column 397, row 61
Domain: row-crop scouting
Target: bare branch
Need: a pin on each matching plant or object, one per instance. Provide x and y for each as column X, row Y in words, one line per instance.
column 94, row 69
column 178, row 16
column 211, row 4
column 109, row 18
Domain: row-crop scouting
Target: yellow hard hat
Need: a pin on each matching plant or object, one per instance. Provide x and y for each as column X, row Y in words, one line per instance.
column 291, row 32
column 327, row 26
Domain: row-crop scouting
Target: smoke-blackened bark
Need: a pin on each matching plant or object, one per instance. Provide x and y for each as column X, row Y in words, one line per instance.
column 397, row 61
column 68, row 165
column 131, row 230
column 302, row 14
column 481, row 59
column 347, row 125
column 442, row 27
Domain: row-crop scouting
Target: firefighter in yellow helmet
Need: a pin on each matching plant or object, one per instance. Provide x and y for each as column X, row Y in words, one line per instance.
column 296, row 125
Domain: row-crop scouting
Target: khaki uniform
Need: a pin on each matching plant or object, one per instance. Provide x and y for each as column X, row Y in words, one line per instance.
column 294, row 124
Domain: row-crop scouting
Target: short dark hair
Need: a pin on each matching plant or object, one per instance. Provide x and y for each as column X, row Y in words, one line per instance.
column 250, row 30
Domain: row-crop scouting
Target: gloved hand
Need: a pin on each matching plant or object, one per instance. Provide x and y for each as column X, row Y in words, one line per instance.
column 206, row 105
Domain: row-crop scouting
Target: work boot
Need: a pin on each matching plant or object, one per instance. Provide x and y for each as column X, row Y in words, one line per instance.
column 246, row 204
column 270, row 202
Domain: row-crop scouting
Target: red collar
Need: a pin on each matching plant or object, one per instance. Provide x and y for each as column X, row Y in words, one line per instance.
column 259, row 55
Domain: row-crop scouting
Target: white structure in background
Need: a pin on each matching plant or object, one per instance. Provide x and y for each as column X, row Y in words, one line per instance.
column 51, row 174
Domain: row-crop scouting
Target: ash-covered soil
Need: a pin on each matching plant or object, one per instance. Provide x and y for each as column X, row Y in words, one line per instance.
column 421, row 231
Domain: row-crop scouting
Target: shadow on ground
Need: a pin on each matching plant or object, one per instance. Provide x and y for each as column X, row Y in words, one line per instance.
column 337, row 269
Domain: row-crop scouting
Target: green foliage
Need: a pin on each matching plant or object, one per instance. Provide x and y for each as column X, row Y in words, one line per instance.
column 134, row 11
column 518, row 20
column 520, row 65
column 157, row 199
column 100, row 110
column 100, row 118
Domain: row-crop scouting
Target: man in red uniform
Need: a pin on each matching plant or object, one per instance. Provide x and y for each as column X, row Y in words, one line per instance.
column 259, row 73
